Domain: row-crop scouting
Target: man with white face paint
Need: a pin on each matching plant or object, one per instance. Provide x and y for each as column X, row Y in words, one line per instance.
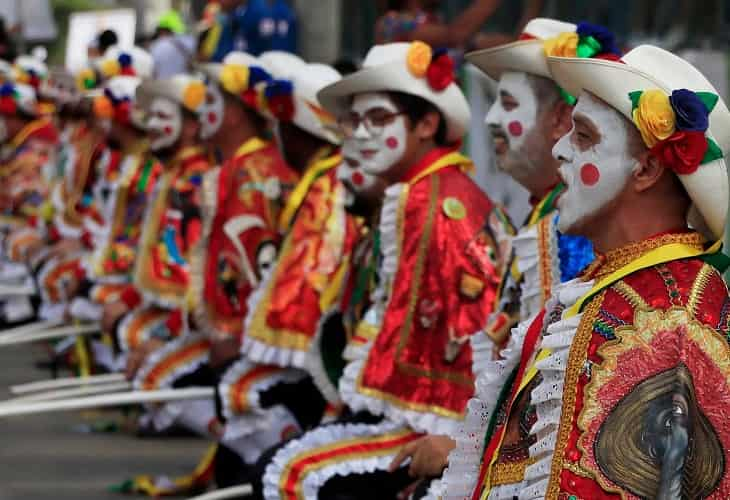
column 172, row 227
column 408, row 369
column 630, row 356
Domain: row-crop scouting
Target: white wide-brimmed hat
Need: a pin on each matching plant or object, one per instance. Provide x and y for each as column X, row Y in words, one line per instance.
column 649, row 68
column 282, row 64
column 400, row 67
column 186, row 90
column 239, row 73
column 526, row 55
column 309, row 115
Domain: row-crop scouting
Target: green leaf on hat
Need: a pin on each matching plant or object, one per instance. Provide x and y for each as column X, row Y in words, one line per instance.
column 635, row 96
column 713, row 152
column 571, row 100
column 708, row 99
column 588, row 47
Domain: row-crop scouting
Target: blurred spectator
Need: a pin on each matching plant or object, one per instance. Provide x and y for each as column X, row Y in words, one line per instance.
column 103, row 41
column 408, row 20
column 254, row 26
column 7, row 45
column 171, row 49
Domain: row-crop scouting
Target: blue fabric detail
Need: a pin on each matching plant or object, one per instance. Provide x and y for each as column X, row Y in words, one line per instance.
column 575, row 253
column 169, row 238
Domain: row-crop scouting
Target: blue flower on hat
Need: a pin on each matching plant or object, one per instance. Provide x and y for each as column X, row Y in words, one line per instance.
column 602, row 35
column 7, row 89
column 691, row 112
column 124, row 59
column 257, row 75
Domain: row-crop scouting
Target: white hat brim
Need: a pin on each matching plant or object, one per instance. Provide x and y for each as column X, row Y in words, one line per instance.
column 524, row 56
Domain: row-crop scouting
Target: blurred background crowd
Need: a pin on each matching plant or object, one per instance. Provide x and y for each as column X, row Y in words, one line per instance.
column 180, row 32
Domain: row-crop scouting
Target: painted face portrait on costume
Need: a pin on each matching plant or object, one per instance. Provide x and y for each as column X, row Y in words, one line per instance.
column 211, row 112
column 513, row 123
column 596, row 162
column 362, row 187
column 378, row 131
column 164, row 123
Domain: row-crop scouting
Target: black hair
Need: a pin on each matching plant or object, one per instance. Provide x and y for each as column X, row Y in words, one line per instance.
column 106, row 39
column 415, row 108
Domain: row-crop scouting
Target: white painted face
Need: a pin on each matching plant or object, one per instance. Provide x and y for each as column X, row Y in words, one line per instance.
column 211, row 112
column 351, row 173
column 596, row 162
column 3, row 130
column 512, row 120
column 164, row 124
column 383, row 148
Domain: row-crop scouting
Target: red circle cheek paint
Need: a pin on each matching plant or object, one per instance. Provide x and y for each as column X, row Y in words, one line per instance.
column 212, row 117
column 168, row 130
column 358, row 179
column 515, row 128
column 589, row 174
column 391, row 142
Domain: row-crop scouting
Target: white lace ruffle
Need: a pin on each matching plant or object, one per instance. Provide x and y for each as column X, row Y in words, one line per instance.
column 459, row 479
column 528, row 264
column 323, row 436
column 315, row 366
column 123, row 330
column 254, row 420
column 169, row 350
column 548, row 395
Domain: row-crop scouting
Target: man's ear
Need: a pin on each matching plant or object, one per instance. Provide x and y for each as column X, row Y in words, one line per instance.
column 648, row 171
column 428, row 126
column 561, row 119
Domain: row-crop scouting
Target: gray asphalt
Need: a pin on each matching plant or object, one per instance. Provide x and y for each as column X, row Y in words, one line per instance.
column 48, row 457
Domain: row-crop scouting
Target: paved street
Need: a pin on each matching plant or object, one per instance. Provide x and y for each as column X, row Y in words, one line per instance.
column 49, row 457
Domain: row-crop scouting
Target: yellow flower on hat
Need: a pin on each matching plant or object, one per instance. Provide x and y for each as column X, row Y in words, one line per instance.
column 654, row 117
column 110, row 68
column 419, row 58
column 563, row 45
column 234, row 78
column 194, row 95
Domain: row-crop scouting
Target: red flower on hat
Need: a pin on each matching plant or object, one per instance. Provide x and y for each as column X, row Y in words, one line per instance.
column 682, row 152
column 282, row 107
column 8, row 105
column 440, row 73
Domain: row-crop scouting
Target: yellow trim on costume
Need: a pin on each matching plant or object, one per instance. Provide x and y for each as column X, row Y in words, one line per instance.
column 28, row 130
column 314, row 170
column 250, row 146
column 661, row 255
column 330, row 294
column 457, row 159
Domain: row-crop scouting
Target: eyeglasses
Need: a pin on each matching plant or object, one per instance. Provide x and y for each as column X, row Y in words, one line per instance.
column 374, row 121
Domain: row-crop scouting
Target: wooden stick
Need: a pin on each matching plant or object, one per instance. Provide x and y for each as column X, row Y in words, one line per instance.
column 73, row 392
column 37, row 326
column 60, row 383
column 232, row 492
column 106, row 400
column 53, row 333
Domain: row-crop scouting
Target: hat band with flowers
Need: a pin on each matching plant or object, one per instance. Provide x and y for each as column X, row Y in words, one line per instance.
column 436, row 66
column 8, row 99
column 111, row 107
column 122, row 65
column 246, row 82
column 674, row 127
column 588, row 41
